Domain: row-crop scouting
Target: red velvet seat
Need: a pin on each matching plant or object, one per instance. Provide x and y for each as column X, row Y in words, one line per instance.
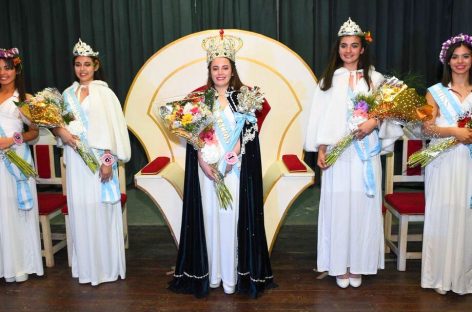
column 155, row 166
column 50, row 202
column 407, row 203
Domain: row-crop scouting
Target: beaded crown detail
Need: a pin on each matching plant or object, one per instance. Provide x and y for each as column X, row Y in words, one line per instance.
column 467, row 39
column 350, row 28
column 222, row 46
column 83, row 49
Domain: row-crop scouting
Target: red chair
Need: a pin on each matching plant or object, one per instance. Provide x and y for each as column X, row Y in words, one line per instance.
column 405, row 206
column 50, row 203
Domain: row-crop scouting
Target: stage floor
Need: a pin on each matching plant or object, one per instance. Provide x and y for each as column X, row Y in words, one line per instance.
column 152, row 253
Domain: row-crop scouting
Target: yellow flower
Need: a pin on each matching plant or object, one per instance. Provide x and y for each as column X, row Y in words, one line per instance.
column 186, row 119
column 171, row 117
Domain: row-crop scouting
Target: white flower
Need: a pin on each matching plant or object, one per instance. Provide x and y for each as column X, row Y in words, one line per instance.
column 188, row 107
column 75, row 127
column 176, row 125
column 197, row 117
column 211, row 153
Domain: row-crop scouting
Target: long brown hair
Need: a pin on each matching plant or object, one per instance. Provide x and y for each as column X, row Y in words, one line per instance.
column 447, row 73
column 336, row 62
column 20, row 78
column 234, row 83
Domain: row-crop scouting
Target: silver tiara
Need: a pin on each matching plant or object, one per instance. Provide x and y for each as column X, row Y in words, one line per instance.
column 350, row 28
column 83, row 49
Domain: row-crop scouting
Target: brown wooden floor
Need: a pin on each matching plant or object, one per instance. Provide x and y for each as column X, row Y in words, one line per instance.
column 152, row 253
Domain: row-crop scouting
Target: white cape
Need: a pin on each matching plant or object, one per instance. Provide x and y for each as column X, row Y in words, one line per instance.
column 106, row 119
column 327, row 122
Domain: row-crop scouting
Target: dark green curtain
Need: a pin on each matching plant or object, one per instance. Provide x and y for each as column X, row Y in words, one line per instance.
column 407, row 33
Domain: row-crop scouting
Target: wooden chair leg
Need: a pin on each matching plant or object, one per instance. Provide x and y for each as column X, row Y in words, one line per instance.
column 47, row 240
column 402, row 242
column 387, row 229
column 69, row 240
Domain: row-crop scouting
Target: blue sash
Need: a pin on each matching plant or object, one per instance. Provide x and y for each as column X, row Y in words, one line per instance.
column 365, row 153
column 23, row 190
column 229, row 144
column 444, row 99
column 448, row 105
column 110, row 192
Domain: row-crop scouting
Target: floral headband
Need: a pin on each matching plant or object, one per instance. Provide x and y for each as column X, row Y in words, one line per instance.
column 13, row 54
column 447, row 44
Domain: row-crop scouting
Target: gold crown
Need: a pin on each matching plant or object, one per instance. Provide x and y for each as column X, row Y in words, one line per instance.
column 83, row 49
column 350, row 28
column 221, row 46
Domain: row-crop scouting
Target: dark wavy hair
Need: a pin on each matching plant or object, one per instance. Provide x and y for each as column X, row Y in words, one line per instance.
column 336, row 62
column 20, row 78
column 447, row 73
column 234, row 83
column 98, row 74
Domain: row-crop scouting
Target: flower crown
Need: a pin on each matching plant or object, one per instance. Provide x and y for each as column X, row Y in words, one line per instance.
column 83, row 49
column 447, row 44
column 350, row 28
column 222, row 46
column 13, row 54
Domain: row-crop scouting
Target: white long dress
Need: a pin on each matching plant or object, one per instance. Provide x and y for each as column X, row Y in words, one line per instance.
column 98, row 253
column 350, row 231
column 221, row 224
column 20, row 245
column 447, row 236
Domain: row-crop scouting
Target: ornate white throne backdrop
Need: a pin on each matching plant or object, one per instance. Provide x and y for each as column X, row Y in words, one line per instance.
column 180, row 67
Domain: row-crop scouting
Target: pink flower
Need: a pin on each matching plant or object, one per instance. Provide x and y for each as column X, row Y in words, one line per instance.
column 208, row 136
column 195, row 110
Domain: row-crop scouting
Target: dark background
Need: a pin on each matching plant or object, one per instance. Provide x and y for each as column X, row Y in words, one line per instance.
column 407, row 33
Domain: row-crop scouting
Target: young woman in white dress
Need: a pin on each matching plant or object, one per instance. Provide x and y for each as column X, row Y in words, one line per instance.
column 93, row 199
column 447, row 236
column 224, row 246
column 350, row 231
column 20, row 245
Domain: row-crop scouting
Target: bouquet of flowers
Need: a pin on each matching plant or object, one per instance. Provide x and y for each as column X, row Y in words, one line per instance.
column 188, row 117
column 363, row 104
column 47, row 109
column 426, row 155
column 393, row 100
column 191, row 119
